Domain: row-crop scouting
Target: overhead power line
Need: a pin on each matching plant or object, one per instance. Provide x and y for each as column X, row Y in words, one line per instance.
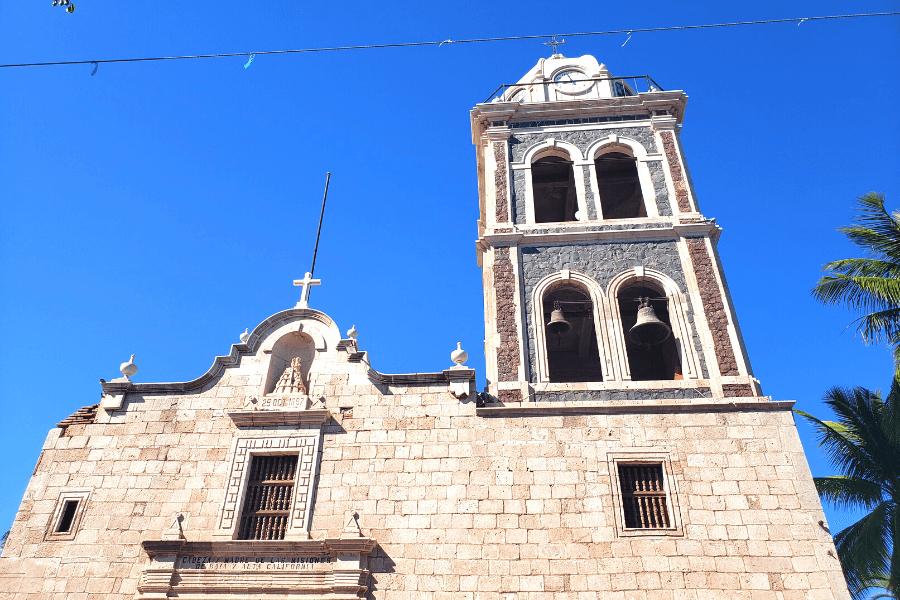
column 441, row 43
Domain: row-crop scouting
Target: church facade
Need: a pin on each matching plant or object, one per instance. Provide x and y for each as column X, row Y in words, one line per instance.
column 621, row 450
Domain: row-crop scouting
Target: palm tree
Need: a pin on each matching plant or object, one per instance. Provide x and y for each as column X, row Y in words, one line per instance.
column 872, row 284
column 883, row 594
column 864, row 445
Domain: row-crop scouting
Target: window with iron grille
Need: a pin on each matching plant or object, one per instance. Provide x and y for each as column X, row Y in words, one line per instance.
column 644, row 496
column 267, row 501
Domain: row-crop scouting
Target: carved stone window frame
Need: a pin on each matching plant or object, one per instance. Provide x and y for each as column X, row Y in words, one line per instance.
column 552, row 147
column 79, row 495
column 307, row 449
column 614, row 143
column 601, row 319
column 670, row 484
column 678, row 316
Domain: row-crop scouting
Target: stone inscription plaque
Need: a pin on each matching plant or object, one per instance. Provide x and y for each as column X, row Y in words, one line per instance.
column 255, row 563
column 276, row 403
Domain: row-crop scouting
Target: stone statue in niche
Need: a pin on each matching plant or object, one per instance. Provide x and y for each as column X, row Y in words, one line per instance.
column 291, row 381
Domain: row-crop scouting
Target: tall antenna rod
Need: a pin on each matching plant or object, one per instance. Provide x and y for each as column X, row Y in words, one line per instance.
column 312, row 269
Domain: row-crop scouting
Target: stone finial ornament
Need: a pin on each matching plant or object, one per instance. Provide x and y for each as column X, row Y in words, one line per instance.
column 459, row 356
column 128, row 369
column 245, row 336
column 291, row 381
column 352, row 333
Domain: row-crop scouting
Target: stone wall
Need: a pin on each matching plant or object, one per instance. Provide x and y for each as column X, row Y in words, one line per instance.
column 615, row 395
column 601, row 262
column 507, row 328
column 520, row 143
column 463, row 506
column 714, row 307
column 501, row 213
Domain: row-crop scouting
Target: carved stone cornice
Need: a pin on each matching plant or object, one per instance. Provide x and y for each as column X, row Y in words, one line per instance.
column 272, row 418
column 673, row 102
column 543, row 409
column 261, row 547
column 596, row 232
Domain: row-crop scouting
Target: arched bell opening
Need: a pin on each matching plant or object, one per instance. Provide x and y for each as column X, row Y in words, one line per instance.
column 652, row 349
column 553, row 187
column 619, row 186
column 285, row 374
column 571, row 336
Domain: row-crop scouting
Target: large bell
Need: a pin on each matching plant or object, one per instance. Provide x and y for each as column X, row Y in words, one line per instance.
column 558, row 323
column 649, row 330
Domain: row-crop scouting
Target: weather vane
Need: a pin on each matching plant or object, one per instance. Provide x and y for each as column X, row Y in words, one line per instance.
column 554, row 44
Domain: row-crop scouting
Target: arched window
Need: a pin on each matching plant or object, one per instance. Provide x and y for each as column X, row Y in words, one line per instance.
column 282, row 367
column 648, row 362
column 619, row 186
column 572, row 352
column 553, row 186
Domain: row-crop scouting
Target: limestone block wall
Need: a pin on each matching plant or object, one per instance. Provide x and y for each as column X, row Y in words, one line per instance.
column 463, row 506
column 472, row 507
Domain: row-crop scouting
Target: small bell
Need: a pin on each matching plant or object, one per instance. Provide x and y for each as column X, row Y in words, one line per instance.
column 648, row 330
column 558, row 323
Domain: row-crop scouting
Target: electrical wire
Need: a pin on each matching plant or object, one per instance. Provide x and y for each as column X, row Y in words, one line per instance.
column 441, row 43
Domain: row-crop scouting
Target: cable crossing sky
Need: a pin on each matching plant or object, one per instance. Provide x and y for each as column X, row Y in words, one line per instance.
column 440, row 43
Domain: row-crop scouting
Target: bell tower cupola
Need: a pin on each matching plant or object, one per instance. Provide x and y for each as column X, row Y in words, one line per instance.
column 601, row 277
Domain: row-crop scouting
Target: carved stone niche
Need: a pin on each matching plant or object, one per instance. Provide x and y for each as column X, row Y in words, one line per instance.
column 256, row 570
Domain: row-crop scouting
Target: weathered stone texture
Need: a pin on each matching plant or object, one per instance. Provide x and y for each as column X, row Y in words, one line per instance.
column 519, row 143
column 658, row 176
column 608, row 395
column 737, row 390
column 713, row 306
column 676, row 171
column 510, row 396
column 518, row 197
column 462, row 506
column 500, row 175
column 589, row 194
column 601, row 262
column 507, row 329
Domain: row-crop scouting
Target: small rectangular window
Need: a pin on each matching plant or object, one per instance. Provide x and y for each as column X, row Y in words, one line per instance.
column 267, row 501
column 644, row 497
column 68, row 516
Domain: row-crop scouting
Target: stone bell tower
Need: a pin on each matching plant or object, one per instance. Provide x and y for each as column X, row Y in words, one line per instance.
column 587, row 213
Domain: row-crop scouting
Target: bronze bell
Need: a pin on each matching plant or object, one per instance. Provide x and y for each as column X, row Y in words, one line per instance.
column 558, row 323
column 649, row 330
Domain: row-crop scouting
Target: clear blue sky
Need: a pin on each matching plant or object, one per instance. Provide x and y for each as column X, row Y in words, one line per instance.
column 160, row 208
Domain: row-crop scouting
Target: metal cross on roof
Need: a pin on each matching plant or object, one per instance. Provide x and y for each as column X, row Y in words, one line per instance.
column 554, row 43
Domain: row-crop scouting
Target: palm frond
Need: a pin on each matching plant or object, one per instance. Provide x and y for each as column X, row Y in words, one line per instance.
column 842, row 450
column 880, row 326
column 861, row 412
column 858, row 292
column 863, row 549
column 848, row 492
column 864, row 267
column 874, row 229
column 890, row 419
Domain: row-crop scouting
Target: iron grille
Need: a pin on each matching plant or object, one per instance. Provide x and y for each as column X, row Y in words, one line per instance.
column 267, row 503
column 643, row 496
